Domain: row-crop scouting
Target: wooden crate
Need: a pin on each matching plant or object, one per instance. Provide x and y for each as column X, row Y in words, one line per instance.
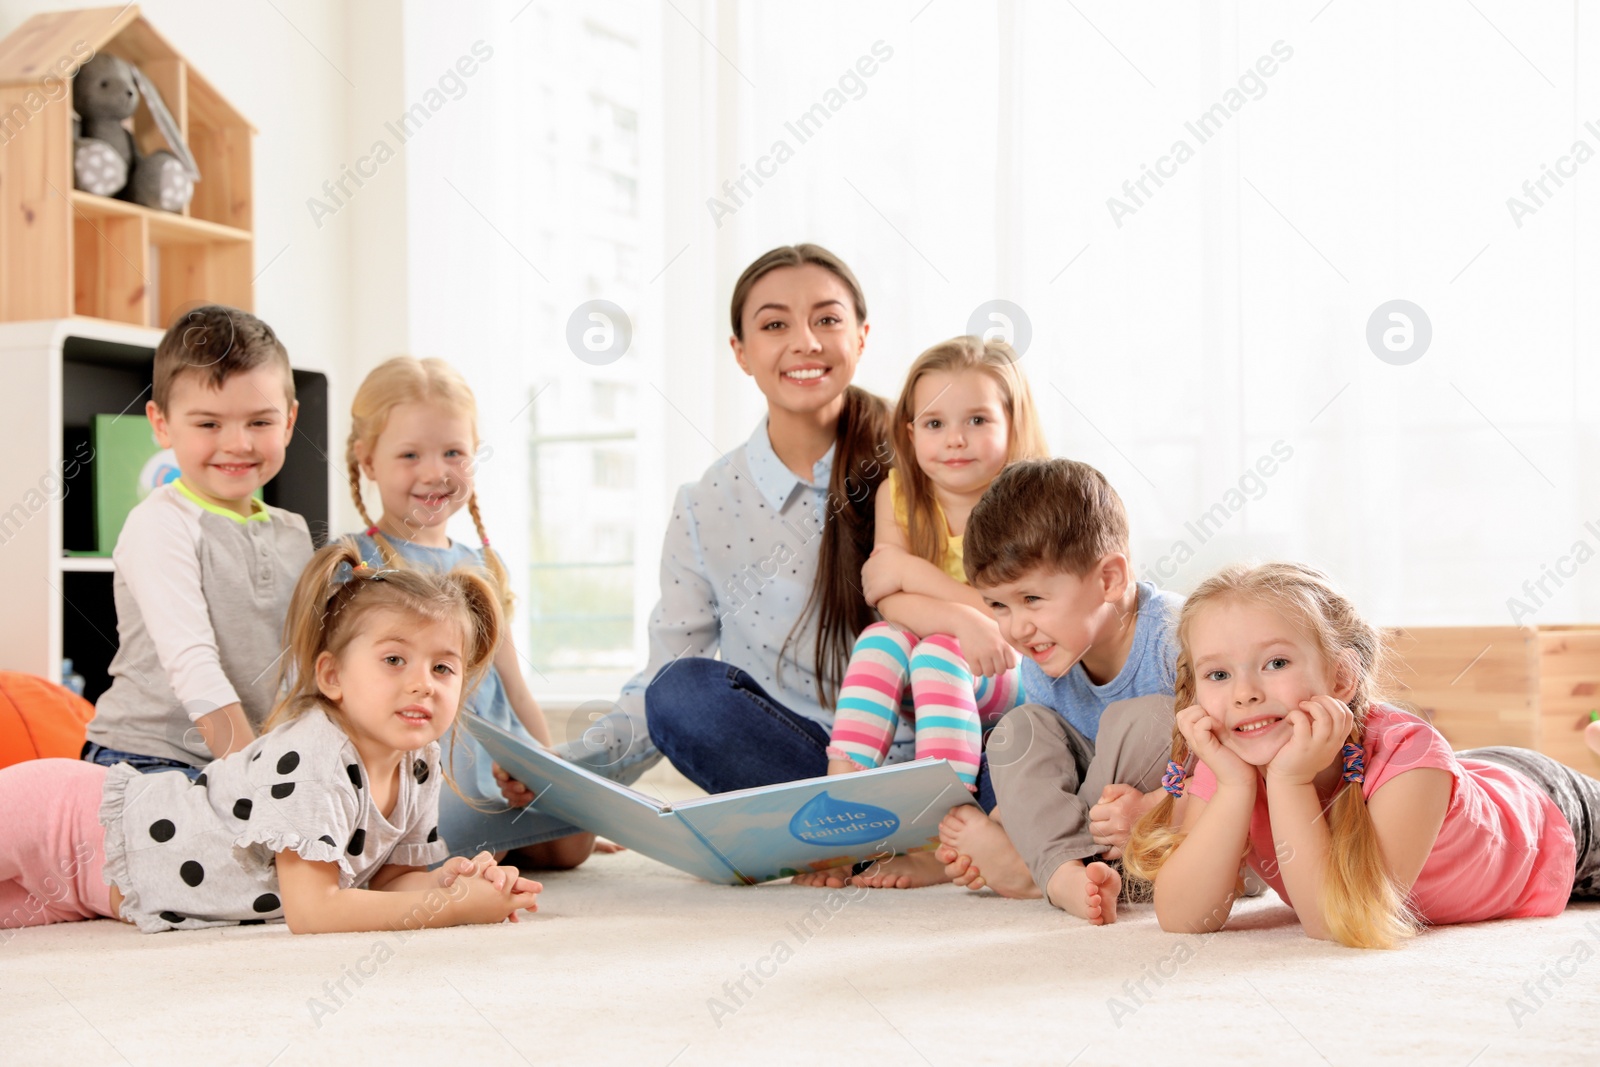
column 65, row 252
column 1502, row 685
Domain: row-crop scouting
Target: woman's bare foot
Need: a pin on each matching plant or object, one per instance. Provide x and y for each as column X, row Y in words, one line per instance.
column 967, row 835
column 1089, row 892
column 844, row 766
column 911, row 871
column 829, row 878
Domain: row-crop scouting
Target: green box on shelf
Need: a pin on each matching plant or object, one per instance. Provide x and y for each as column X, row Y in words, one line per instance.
column 129, row 464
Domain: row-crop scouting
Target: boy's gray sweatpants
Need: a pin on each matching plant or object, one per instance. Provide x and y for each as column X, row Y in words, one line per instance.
column 1047, row 774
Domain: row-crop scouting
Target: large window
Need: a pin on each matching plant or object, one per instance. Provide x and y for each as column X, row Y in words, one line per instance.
column 582, row 424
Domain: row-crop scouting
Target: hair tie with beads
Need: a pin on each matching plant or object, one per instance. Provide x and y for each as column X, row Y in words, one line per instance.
column 485, row 542
column 1355, row 763
column 363, row 569
column 1172, row 781
column 372, row 531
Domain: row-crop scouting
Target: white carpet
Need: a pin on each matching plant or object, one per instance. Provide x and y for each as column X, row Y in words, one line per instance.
column 630, row 962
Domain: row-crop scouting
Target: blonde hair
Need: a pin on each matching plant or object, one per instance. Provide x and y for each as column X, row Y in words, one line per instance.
column 1361, row 905
column 328, row 608
column 407, row 380
column 925, row 530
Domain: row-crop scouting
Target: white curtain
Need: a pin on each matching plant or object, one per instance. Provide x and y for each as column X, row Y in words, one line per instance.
column 1198, row 316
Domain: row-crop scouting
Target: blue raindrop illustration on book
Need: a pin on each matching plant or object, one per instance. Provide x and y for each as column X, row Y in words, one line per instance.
column 825, row 821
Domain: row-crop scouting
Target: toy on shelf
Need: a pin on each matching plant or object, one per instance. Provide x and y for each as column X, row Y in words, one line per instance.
column 106, row 158
column 101, row 212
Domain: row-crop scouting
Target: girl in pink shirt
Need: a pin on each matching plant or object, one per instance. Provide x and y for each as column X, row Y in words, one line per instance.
column 1356, row 812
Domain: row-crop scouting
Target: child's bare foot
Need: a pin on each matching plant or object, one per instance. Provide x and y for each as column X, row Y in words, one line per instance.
column 958, row 868
column 829, row 878
column 911, row 871
column 991, row 859
column 1089, row 892
column 844, row 766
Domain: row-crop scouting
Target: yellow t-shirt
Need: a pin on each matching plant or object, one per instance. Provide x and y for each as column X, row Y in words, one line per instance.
column 953, row 564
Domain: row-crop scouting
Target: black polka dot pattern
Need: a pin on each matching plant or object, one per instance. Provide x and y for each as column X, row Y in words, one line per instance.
column 182, row 856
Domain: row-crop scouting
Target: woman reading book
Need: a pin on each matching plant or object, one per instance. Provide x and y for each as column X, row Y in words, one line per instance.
column 762, row 558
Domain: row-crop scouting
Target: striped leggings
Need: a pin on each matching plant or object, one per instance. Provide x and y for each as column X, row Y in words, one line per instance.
column 950, row 708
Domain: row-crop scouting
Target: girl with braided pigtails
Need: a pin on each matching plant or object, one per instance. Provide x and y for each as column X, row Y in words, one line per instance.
column 414, row 434
column 1356, row 812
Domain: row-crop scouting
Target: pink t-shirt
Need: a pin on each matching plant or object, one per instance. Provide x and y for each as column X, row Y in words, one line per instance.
column 1504, row 851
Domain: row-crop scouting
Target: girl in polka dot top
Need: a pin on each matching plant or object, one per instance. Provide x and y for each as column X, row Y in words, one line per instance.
column 328, row 820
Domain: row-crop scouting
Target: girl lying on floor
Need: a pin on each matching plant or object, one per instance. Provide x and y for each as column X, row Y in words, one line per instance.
column 1356, row 812
column 328, row 820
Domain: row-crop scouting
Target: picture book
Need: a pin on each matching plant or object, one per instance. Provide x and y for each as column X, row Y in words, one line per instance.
column 748, row 836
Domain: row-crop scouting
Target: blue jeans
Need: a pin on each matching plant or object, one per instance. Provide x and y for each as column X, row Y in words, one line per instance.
column 110, row 757
column 723, row 732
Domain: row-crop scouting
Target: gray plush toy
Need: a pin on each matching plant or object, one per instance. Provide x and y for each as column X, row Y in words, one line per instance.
column 107, row 162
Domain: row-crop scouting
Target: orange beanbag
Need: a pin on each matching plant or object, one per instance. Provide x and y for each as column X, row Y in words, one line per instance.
column 39, row 719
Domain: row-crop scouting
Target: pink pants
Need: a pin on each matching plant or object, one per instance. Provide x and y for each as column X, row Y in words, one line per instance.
column 52, row 846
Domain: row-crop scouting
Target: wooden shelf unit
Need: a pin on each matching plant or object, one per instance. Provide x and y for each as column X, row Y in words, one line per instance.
column 65, row 252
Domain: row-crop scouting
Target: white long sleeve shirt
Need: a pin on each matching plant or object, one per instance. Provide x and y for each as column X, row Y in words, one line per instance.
column 201, row 597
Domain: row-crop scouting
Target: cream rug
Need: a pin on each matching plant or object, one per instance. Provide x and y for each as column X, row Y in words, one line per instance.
column 630, row 962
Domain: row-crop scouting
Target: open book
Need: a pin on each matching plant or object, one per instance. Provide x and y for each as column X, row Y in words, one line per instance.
column 749, row 836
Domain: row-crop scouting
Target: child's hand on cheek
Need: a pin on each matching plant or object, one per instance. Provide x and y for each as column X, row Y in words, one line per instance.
column 1203, row 733
column 1320, row 726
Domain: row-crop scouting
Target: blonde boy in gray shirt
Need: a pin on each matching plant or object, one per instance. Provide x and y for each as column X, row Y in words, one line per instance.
column 204, row 571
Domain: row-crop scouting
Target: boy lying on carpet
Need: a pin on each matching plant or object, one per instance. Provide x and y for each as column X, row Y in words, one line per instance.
column 1356, row 812
column 327, row 821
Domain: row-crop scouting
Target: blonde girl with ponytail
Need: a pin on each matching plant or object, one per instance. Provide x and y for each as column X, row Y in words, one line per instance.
column 1355, row 811
column 327, row 822
column 414, row 436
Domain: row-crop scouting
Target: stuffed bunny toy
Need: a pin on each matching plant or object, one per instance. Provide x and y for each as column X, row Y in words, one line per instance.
column 106, row 159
